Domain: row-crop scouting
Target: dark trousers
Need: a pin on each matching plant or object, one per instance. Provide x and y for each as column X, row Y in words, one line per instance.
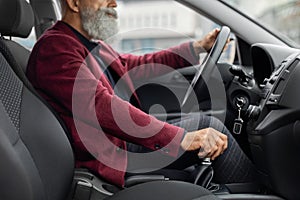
column 232, row 166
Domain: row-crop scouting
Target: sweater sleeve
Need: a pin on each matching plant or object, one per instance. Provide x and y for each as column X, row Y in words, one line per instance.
column 158, row 63
column 63, row 73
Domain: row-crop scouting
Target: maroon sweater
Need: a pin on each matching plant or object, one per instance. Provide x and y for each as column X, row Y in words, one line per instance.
column 70, row 79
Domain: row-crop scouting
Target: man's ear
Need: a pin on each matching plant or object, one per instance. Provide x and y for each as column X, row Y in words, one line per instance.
column 73, row 5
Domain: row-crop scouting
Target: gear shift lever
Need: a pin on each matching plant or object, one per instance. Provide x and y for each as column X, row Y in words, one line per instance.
column 205, row 173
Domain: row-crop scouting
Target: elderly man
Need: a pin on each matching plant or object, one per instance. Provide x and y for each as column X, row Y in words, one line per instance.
column 76, row 71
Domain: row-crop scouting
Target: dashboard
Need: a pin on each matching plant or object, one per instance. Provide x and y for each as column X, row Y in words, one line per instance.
column 267, row 58
column 271, row 114
column 274, row 122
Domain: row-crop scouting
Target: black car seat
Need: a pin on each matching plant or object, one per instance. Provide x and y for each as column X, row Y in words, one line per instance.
column 17, row 20
column 37, row 161
column 20, row 23
column 36, row 157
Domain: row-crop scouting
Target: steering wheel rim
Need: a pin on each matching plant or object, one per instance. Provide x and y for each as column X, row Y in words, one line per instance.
column 209, row 64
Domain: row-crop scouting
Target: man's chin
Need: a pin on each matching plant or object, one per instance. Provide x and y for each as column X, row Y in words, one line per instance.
column 108, row 39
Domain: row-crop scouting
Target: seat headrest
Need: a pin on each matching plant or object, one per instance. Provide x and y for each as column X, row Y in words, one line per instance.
column 16, row 18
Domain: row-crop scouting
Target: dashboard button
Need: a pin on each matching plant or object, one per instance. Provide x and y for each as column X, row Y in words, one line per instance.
column 285, row 74
column 273, row 79
column 274, row 99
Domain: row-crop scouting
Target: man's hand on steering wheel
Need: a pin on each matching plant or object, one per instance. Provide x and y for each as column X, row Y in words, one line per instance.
column 215, row 42
column 204, row 45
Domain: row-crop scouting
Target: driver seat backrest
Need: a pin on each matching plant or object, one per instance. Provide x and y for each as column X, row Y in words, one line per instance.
column 17, row 20
column 36, row 157
column 37, row 161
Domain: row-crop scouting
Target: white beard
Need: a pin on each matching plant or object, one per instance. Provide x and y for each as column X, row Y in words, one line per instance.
column 99, row 24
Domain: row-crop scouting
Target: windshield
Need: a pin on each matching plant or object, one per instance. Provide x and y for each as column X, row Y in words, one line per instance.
column 282, row 17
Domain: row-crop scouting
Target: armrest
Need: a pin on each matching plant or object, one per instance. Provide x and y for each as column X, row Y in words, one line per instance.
column 84, row 178
column 138, row 179
column 162, row 190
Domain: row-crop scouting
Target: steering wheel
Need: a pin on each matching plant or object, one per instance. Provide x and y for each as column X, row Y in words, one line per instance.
column 209, row 64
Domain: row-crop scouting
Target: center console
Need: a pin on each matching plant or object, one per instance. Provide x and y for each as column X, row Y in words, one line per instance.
column 275, row 129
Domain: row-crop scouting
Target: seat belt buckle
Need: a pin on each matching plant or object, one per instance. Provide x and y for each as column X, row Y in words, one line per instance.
column 83, row 191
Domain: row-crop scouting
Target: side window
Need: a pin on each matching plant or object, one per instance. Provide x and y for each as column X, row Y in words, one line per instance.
column 26, row 42
column 147, row 26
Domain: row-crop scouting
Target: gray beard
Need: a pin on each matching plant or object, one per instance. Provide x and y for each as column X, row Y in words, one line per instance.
column 98, row 24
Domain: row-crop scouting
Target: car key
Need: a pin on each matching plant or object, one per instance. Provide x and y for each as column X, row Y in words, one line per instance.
column 238, row 123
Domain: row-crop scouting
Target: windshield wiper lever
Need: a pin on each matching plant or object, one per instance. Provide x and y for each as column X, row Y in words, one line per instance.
column 238, row 71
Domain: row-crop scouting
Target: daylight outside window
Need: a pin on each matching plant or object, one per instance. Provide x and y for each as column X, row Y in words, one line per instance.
column 282, row 17
column 147, row 26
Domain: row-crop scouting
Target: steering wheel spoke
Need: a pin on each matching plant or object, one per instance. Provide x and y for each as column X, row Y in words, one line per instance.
column 209, row 64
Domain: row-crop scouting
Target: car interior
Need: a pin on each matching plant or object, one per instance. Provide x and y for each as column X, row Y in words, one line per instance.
column 37, row 160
